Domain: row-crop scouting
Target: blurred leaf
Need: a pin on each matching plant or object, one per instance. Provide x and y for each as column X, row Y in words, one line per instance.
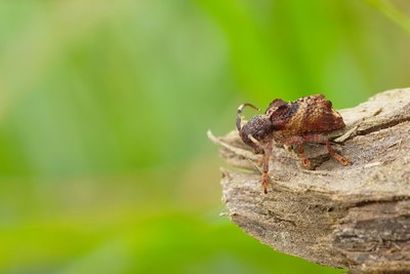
column 391, row 12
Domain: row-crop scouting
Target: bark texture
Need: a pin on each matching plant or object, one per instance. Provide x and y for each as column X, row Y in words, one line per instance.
column 355, row 217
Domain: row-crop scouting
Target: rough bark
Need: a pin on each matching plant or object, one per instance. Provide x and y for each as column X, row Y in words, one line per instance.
column 355, row 217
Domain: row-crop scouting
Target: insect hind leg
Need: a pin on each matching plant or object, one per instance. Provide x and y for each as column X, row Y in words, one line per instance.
column 323, row 139
column 267, row 153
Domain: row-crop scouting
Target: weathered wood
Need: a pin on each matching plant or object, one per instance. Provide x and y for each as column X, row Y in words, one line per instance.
column 356, row 217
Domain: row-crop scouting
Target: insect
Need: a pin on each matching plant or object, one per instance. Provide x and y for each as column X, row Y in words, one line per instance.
column 306, row 120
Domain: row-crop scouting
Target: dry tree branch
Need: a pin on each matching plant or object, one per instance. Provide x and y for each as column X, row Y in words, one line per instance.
column 356, row 217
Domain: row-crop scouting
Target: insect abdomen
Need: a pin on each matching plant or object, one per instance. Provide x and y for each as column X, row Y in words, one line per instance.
column 314, row 115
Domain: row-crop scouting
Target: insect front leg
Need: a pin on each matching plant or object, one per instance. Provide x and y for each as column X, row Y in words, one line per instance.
column 265, row 166
column 267, row 153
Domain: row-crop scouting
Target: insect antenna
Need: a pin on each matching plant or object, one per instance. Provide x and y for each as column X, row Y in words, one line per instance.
column 238, row 114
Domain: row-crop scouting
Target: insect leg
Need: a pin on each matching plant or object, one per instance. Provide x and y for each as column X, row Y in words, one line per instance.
column 298, row 141
column 341, row 159
column 323, row 139
column 301, row 153
column 267, row 153
column 265, row 166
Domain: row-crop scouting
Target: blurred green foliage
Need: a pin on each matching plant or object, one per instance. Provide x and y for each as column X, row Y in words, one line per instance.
column 104, row 105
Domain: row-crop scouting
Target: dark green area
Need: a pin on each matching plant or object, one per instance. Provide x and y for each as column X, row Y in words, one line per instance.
column 104, row 105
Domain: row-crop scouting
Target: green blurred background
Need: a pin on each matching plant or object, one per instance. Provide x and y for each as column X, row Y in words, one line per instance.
column 104, row 162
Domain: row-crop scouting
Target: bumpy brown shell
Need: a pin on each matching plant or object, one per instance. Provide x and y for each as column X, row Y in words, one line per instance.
column 307, row 115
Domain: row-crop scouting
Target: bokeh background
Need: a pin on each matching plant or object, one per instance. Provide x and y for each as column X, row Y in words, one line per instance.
column 104, row 106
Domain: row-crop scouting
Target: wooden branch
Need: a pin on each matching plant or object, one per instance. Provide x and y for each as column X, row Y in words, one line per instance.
column 355, row 217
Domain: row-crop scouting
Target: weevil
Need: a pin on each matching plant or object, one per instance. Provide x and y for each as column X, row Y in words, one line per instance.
column 307, row 120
